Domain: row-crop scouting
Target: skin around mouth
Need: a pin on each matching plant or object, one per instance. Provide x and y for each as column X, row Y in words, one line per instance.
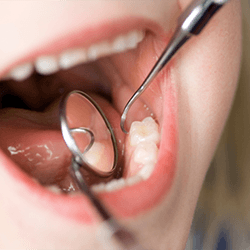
column 158, row 210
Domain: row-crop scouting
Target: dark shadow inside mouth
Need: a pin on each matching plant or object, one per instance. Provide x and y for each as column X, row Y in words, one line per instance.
column 35, row 95
column 13, row 101
column 39, row 91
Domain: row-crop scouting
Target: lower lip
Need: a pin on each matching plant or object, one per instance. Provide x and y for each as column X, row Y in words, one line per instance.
column 127, row 202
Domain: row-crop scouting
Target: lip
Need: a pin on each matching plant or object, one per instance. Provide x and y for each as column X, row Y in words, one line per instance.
column 145, row 195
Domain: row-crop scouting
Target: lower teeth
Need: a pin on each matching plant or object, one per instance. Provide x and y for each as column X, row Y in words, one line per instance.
column 143, row 154
column 143, row 143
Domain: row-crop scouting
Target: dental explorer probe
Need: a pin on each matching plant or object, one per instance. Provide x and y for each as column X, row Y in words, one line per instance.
column 191, row 22
column 124, row 238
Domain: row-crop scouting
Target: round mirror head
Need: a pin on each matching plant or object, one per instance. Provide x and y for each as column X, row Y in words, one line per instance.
column 88, row 134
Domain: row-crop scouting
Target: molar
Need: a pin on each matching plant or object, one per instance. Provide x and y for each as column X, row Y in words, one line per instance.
column 147, row 130
column 145, row 152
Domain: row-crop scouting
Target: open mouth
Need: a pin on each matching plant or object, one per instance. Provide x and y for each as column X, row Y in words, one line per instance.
column 110, row 67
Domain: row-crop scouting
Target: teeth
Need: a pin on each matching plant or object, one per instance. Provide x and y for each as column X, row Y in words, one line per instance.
column 95, row 154
column 46, row 65
column 133, row 180
column 21, row 72
column 146, row 171
column 133, row 39
column 54, row 189
column 119, row 44
column 144, row 137
column 146, row 152
column 99, row 50
column 144, row 131
column 71, row 58
column 114, row 185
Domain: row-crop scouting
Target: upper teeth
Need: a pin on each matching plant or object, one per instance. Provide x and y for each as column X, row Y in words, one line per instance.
column 52, row 63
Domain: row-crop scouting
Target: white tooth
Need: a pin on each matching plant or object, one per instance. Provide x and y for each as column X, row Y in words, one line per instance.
column 132, row 39
column 55, row 189
column 21, row 72
column 146, row 171
column 147, row 130
column 133, row 180
column 141, row 35
column 146, row 152
column 98, row 188
column 119, row 44
column 94, row 155
column 99, row 50
column 46, row 65
column 114, row 185
column 72, row 58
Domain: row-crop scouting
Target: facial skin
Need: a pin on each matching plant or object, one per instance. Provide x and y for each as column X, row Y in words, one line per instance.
column 197, row 89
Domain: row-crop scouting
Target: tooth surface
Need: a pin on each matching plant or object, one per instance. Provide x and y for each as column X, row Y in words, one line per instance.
column 146, row 171
column 114, row 185
column 95, row 154
column 98, row 188
column 99, row 50
column 133, row 38
column 133, row 180
column 71, row 58
column 147, row 130
column 55, row 189
column 146, row 152
column 119, row 44
column 46, row 65
column 21, row 72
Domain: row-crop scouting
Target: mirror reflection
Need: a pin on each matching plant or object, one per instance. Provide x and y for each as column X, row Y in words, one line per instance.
column 82, row 113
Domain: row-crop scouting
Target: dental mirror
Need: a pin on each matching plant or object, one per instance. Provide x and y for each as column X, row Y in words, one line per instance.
column 88, row 134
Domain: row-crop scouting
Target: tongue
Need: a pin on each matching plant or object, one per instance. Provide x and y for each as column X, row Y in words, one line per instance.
column 36, row 147
column 34, row 141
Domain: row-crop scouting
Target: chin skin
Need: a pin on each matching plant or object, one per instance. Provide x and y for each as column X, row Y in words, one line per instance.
column 198, row 88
